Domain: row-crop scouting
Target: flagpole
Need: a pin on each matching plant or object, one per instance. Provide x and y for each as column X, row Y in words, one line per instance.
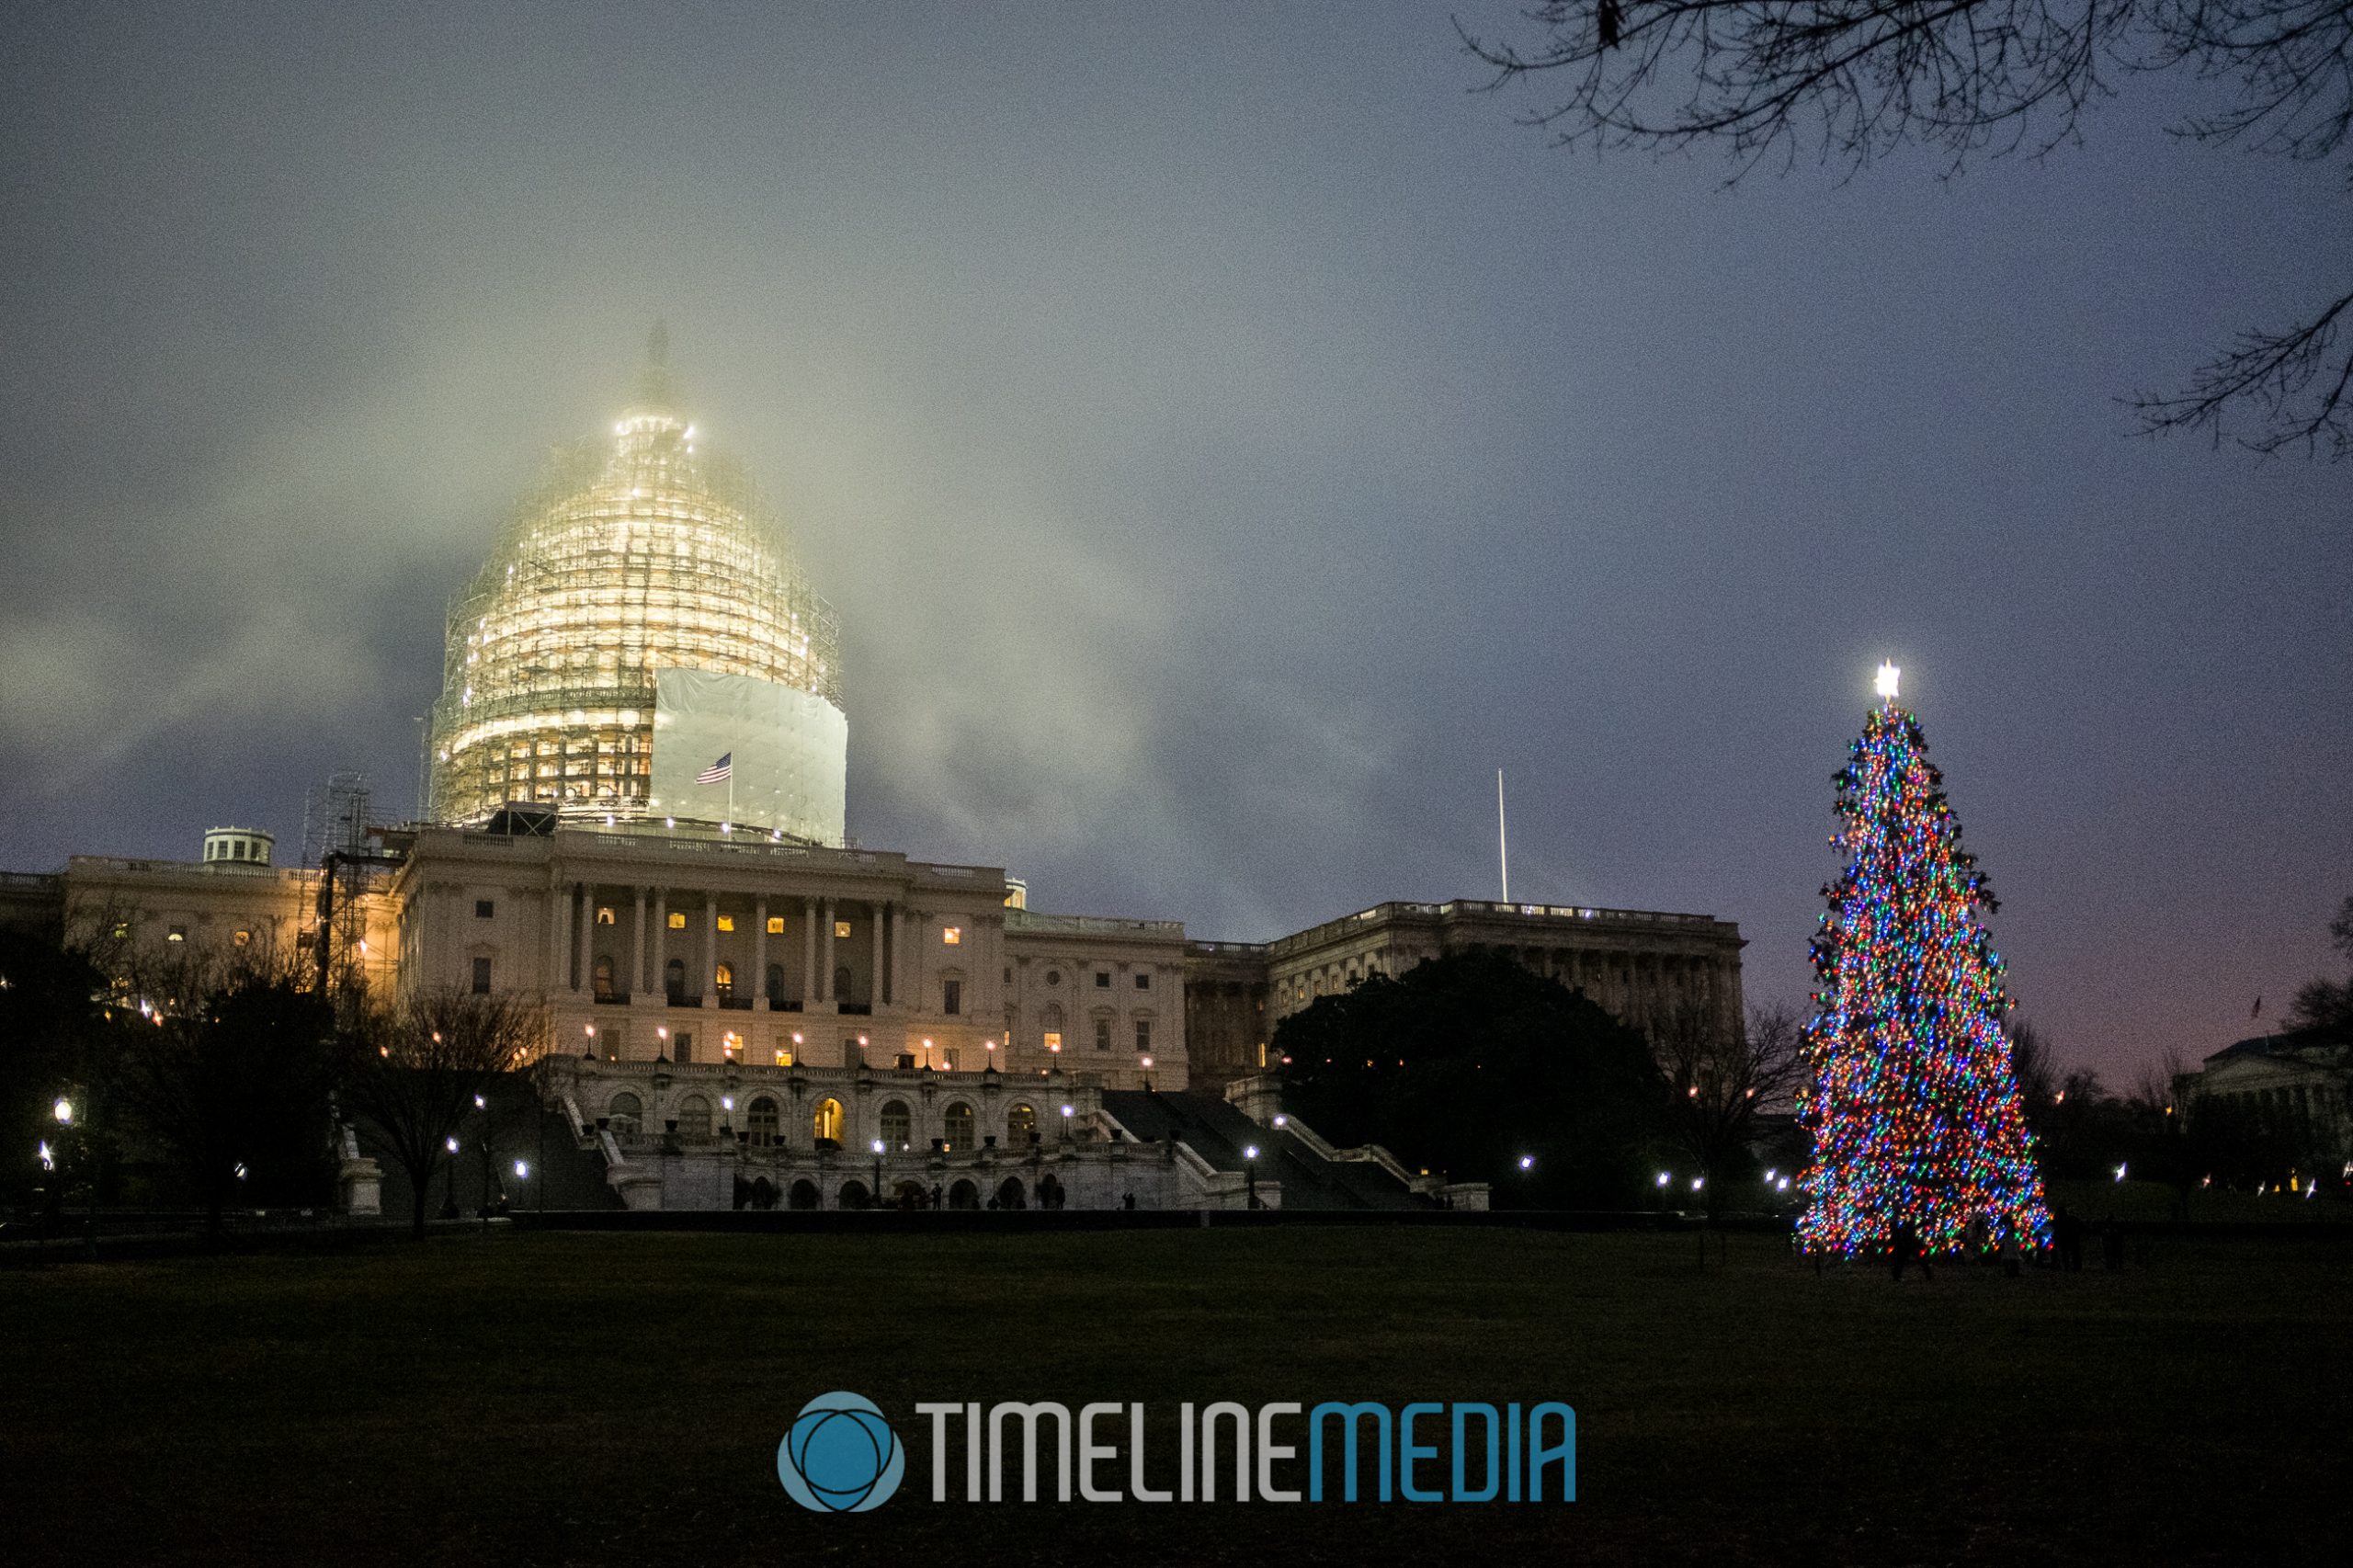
column 1503, row 843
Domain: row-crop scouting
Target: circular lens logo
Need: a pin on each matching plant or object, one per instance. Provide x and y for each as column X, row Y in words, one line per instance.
column 841, row 1457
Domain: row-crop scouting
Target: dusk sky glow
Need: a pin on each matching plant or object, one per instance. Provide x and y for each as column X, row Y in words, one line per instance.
column 1227, row 439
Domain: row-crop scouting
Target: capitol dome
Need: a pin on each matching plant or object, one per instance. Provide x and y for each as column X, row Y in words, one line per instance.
column 641, row 645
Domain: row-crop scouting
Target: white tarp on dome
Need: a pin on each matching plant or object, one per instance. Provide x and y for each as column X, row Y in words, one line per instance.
column 788, row 751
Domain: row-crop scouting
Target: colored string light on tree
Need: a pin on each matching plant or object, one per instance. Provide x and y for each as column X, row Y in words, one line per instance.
column 1914, row 1108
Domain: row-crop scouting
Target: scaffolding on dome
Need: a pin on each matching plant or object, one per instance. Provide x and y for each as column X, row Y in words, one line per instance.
column 638, row 553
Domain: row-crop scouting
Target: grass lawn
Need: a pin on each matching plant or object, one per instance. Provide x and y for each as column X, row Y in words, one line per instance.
column 609, row 1398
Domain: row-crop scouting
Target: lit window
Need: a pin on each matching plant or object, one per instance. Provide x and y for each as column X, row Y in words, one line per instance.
column 604, row 915
column 177, row 933
column 952, row 935
column 677, row 920
column 776, row 925
column 727, row 923
column 242, row 937
column 841, row 928
column 1054, row 1039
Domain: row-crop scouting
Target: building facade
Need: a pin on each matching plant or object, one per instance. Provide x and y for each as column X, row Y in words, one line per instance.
column 2296, row 1084
column 637, row 817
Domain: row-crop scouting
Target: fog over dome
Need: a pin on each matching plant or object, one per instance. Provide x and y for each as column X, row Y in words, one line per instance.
column 641, row 645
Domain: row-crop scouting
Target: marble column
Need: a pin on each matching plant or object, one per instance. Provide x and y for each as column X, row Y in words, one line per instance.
column 807, row 953
column 655, row 974
column 584, row 978
column 761, row 953
column 559, row 935
column 710, row 986
column 637, row 947
column 875, row 914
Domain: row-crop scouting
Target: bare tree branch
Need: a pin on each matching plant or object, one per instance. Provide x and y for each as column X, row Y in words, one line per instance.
column 2299, row 382
column 421, row 1062
column 1848, row 81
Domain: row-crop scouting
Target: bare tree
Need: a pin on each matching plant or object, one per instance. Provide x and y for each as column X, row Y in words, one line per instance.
column 1721, row 1075
column 224, row 1064
column 1846, row 81
column 2035, row 1070
column 420, row 1063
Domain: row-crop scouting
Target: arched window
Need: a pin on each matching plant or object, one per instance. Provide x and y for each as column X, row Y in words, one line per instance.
column 1021, row 1127
column 1008, row 1194
column 963, row 1194
column 854, row 1196
column 825, row 1123
column 723, row 981
column 623, row 1113
column 776, row 982
column 896, row 1125
column 694, row 1119
column 760, row 1120
column 956, row 1126
column 803, row 1195
column 604, row 979
column 1050, row 1020
column 674, row 978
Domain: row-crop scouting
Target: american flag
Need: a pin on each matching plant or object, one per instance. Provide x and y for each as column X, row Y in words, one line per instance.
column 719, row 772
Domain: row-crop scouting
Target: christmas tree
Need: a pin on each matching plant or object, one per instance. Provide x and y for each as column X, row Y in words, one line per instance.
column 1914, row 1108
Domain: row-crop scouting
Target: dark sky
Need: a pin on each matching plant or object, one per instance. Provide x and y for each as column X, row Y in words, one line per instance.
column 1227, row 440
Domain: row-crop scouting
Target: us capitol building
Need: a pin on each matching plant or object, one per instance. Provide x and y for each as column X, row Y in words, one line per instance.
column 636, row 818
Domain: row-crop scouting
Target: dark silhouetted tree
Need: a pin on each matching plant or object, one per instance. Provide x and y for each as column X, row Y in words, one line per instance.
column 419, row 1061
column 1847, row 81
column 1470, row 1062
column 2324, row 1007
column 226, row 1069
column 1720, row 1078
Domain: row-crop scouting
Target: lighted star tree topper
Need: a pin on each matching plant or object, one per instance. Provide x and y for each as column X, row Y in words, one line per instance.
column 1914, row 1108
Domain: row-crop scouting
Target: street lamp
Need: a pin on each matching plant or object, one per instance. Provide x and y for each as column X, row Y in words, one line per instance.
column 1527, row 1161
column 1250, row 1171
column 878, row 1173
column 64, row 1111
column 1068, row 1111
column 450, row 1181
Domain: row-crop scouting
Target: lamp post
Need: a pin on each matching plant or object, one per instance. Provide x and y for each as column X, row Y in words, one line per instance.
column 877, row 1173
column 1250, row 1172
column 1697, row 1183
column 483, row 1105
column 64, row 1111
column 449, row 1179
